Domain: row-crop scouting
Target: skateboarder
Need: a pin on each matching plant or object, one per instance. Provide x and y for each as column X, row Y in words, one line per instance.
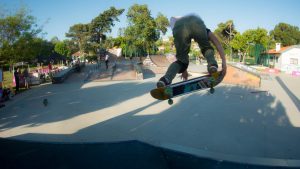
column 184, row 30
column 106, row 60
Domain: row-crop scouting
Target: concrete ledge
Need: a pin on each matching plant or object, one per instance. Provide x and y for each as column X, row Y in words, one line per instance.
column 62, row 75
column 241, row 77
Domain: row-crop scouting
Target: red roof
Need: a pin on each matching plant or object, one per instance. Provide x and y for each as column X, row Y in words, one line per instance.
column 273, row 51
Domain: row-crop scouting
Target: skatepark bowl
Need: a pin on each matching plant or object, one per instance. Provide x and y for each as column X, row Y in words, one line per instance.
column 96, row 119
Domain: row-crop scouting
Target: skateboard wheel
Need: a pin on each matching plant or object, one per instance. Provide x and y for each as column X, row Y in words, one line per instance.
column 170, row 101
column 212, row 90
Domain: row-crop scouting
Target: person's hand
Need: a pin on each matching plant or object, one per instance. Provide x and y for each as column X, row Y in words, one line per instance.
column 184, row 75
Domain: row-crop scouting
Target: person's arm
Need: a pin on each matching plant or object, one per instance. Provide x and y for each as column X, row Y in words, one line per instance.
column 220, row 49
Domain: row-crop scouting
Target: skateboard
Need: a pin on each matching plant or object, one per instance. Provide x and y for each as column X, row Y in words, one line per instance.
column 184, row 87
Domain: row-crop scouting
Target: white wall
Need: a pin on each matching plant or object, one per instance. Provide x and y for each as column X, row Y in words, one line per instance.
column 284, row 61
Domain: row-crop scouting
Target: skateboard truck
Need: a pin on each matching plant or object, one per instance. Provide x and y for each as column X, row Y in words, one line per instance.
column 213, row 81
column 212, row 90
column 169, row 93
column 170, row 101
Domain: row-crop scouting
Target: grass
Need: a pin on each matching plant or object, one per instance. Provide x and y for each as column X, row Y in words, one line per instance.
column 8, row 79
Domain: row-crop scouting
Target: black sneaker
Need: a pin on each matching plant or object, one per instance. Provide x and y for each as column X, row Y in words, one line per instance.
column 162, row 82
column 212, row 69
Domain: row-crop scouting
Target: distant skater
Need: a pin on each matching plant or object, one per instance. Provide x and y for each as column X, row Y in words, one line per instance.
column 106, row 60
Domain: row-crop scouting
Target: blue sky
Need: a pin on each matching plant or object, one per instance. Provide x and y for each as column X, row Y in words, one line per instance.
column 57, row 16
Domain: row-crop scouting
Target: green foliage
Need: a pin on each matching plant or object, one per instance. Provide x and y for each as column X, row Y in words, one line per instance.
column 142, row 32
column 44, row 48
column 80, row 35
column 239, row 43
column 54, row 40
column 252, row 42
column 286, row 34
column 72, row 47
column 257, row 36
column 17, row 34
column 162, row 23
column 101, row 25
column 61, row 48
column 226, row 32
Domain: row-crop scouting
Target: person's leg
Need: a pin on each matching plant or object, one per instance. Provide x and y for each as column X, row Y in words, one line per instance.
column 182, row 42
column 200, row 36
column 17, row 86
column 25, row 83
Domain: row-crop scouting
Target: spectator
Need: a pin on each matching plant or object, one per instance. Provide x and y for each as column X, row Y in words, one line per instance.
column 17, row 79
column 26, row 78
column 106, row 60
column 50, row 66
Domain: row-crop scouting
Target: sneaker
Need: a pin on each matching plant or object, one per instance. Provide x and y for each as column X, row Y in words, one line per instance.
column 212, row 69
column 162, row 82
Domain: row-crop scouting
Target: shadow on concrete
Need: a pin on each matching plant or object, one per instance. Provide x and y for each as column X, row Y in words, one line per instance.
column 90, row 99
column 233, row 121
column 148, row 73
column 288, row 91
column 118, row 155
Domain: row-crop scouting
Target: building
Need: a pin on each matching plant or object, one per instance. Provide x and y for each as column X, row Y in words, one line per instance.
column 78, row 55
column 286, row 59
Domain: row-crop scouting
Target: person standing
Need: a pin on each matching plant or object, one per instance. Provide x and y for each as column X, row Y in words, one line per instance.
column 106, row 60
column 26, row 78
column 17, row 79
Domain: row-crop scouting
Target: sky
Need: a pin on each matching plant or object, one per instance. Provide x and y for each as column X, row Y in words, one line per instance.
column 57, row 16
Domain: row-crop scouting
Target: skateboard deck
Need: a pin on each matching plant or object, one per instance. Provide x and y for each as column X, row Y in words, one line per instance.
column 184, row 87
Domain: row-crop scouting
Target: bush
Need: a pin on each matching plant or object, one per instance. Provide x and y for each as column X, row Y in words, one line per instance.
column 250, row 62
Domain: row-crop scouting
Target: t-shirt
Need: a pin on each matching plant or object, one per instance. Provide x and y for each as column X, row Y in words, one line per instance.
column 25, row 73
column 106, row 57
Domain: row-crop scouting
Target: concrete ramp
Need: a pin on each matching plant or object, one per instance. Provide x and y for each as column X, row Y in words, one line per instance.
column 160, row 60
column 238, row 76
column 124, row 72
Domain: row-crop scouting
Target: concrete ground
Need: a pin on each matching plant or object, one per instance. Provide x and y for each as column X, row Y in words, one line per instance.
column 238, row 121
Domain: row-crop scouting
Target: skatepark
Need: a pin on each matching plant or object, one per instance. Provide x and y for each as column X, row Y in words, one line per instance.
column 252, row 120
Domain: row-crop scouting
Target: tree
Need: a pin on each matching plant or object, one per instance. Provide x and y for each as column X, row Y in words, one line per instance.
column 226, row 32
column 44, row 49
column 286, row 34
column 61, row 48
column 243, row 42
column 162, row 23
column 72, row 47
column 240, row 43
column 80, row 35
column 17, row 32
column 142, row 32
column 54, row 40
column 103, row 24
column 257, row 36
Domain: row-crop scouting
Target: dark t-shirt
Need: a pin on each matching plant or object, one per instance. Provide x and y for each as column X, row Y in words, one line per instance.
column 208, row 30
column 16, row 74
column 25, row 73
